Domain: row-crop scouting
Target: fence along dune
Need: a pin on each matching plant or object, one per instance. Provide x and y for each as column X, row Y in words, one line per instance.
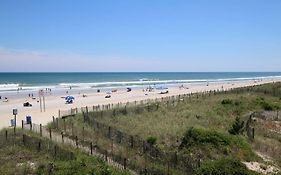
column 90, row 114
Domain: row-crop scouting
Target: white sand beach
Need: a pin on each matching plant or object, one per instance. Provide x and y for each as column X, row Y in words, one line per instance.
column 56, row 103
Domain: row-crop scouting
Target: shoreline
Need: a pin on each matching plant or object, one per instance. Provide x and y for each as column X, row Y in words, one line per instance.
column 54, row 103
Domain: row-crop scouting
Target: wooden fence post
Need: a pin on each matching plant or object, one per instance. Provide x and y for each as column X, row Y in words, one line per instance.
column 22, row 122
column 41, row 130
column 91, row 146
column 54, row 121
column 109, row 132
column 23, row 139
column 50, row 133
column 76, row 141
column 39, row 146
column 62, row 137
column 6, row 135
column 125, row 163
column 132, row 141
column 55, row 151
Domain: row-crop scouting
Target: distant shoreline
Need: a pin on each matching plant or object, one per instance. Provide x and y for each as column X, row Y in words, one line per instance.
column 56, row 102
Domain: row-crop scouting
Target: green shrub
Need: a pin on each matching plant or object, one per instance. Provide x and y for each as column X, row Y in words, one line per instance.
column 237, row 127
column 224, row 166
column 195, row 136
column 226, row 101
column 151, row 140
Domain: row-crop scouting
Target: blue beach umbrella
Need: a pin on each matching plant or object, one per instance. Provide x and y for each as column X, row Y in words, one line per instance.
column 68, row 98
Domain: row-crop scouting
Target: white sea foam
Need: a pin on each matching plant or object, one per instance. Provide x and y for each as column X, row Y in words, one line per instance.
column 118, row 84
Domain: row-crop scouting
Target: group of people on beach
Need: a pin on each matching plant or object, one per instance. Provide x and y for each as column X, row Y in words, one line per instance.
column 5, row 99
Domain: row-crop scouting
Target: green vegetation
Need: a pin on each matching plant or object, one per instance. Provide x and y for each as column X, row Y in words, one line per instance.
column 151, row 140
column 17, row 158
column 226, row 102
column 206, row 128
column 237, row 127
column 224, row 166
column 196, row 137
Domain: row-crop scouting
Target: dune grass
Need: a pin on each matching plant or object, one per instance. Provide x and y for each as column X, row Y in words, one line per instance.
column 17, row 159
column 196, row 127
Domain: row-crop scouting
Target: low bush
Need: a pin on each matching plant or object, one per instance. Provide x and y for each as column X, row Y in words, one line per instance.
column 151, row 140
column 237, row 127
column 196, row 136
column 226, row 101
column 224, row 166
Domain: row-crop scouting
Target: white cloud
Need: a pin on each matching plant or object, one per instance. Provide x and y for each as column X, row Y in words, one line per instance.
column 34, row 61
column 18, row 60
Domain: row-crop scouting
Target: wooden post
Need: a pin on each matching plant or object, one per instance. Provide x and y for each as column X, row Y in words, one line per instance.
column 59, row 114
column 23, row 139
column 91, row 146
column 50, row 133
column 109, row 132
column 62, row 139
column 132, row 141
column 30, row 126
column 22, row 122
column 55, row 151
column 125, row 163
column 54, row 121
column 39, row 146
column 41, row 130
column 6, row 135
column 76, row 141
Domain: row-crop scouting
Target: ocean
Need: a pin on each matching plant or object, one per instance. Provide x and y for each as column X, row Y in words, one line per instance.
column 32, row 82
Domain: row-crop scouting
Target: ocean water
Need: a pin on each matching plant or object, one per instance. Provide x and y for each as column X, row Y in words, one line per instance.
column 32, row 82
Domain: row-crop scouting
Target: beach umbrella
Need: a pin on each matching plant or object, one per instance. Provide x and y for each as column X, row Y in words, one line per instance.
column 69, row 98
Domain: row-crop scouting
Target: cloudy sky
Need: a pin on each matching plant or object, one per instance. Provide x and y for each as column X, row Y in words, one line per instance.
column 140, row 35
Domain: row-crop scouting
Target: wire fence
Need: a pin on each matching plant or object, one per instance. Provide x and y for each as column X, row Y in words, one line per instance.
column 19, row 137
column 67, row 133
column 274, row 89
column 62, row 138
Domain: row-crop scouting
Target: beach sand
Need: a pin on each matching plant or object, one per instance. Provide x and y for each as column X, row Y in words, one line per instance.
column 56, row 103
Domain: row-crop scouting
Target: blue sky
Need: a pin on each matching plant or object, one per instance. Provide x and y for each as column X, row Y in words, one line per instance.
column 140, row 35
